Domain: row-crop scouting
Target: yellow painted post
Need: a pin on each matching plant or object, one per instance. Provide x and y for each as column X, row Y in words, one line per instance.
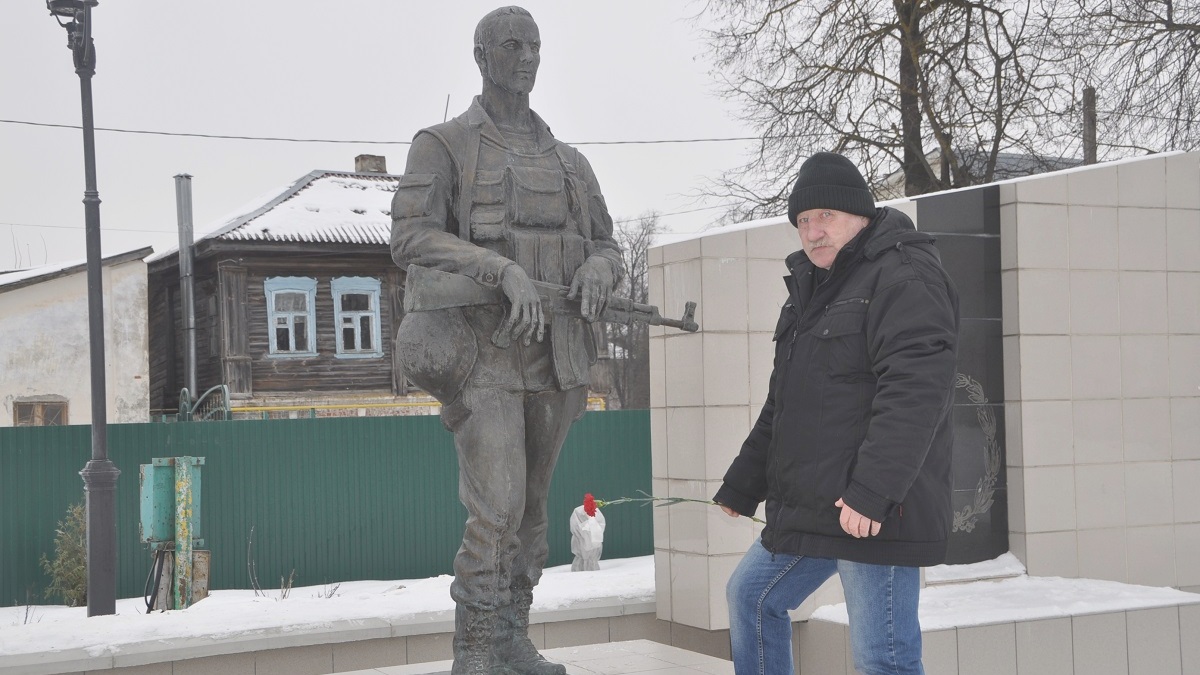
column 183, row 532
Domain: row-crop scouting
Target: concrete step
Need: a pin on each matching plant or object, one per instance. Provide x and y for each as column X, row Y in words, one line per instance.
column 1031, row 626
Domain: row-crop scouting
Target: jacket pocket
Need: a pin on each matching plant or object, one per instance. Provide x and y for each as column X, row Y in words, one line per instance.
column 537, row 197
column 414, row 196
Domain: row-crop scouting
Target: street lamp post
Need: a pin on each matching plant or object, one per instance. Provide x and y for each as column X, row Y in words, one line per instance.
column 100, row 474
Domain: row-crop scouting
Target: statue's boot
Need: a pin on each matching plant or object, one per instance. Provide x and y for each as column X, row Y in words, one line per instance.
column 473, row 635
column 514, row 649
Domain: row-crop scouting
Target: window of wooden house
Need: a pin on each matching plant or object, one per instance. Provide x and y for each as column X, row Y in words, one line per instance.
column 291, row 315
column 356, row 316
column 39, row 413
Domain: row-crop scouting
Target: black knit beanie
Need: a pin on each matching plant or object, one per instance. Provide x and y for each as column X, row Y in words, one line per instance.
column 830, row 181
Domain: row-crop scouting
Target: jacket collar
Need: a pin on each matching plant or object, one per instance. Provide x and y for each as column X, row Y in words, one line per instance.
column 476, row 116
column 888, row 228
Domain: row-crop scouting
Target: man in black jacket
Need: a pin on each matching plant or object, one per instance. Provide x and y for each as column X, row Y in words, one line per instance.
column 851, row 451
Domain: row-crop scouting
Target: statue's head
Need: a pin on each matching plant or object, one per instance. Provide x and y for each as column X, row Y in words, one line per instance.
column 507, row 49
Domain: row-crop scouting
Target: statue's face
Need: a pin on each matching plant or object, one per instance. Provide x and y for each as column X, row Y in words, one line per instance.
column 511, row 59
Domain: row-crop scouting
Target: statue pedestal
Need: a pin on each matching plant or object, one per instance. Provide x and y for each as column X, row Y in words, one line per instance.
column 634, row 656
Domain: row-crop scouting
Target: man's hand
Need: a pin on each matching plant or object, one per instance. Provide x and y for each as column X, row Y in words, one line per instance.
column 856, row 524
column 594, row 280
column 728, row 511
column 525, row 317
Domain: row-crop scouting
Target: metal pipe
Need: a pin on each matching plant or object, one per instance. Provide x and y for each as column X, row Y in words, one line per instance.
column 183, row 208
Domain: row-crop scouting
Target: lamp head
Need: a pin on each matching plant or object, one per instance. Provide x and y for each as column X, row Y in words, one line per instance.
column 68, row 8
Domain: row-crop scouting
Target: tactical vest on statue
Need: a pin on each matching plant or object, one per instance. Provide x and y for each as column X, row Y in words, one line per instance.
column 527, row 202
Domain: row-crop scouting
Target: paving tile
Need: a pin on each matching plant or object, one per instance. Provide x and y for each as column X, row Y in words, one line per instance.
column 1099, row 643
column 227, row 664
column 1154, row 641
column 1189, row 625
column 312, row 660
column 578, row 632
column 939, row 652
column 362, row 654
column 987, row 650
column 821, row 648
column 1044, row 647
column 432, row 647
column 148, row 669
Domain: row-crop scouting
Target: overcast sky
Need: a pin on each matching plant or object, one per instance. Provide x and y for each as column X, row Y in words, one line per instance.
column 328, row 69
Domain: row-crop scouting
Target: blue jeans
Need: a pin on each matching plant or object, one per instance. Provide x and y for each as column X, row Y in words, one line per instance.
column 881, row 600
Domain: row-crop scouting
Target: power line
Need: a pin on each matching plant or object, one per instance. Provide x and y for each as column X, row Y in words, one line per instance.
column 673, row 213
column 80, row 227
column 119, row 229
column 353, row 142
column 1148, row 116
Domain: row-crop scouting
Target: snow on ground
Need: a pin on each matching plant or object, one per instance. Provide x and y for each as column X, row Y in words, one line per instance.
column 1007, row 565
column 229, row 613
column 1025, row 598
column 238, row 613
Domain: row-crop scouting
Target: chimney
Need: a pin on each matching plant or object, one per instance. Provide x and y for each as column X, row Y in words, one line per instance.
column 370, row 164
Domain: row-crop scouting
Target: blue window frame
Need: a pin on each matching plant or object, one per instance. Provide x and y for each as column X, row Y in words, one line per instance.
column 356, row 317
column 291, row 316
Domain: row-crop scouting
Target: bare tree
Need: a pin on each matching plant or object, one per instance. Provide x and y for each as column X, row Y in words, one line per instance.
column 1143, row 57
column 889, row 83
column 628, row 346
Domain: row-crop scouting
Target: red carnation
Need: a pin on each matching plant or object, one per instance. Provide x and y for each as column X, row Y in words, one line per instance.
column 589, row 504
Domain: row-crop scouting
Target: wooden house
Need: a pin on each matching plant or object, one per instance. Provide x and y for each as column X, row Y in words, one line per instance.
column 296, row 300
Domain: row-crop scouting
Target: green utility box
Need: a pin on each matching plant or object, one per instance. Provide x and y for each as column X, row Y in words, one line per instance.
column 158, row 488
column 170, row 525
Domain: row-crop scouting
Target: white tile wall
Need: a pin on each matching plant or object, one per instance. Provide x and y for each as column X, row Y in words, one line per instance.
column 1143, row 298
column 1095, row 187
column 1102, row 555
column 1095, row 302
column 1045, row 366
column 1149, row 494
column 1046, row 433
column 1146, row 423
column 726, row 360
column 1185, row 428
column 1095, row 371
column 1093, row 235
column 1142, row 239
column 1187, row 554
column 1154, row 641
column 1049, row 190
column 1098, row 431
column 1100, row 496
column 1151, row 553
column 1184, row 358
column 1183, row 177
column 1183, row 302
column 1143, row 183
column 1042, row 240
column 726, row 293
column 1144, row 371
column 1049, row 498
column 724, row 245
column 1183, row 240
column 1185, row 477
column 1044, row 302
column 1052, row 554
column 725, row 428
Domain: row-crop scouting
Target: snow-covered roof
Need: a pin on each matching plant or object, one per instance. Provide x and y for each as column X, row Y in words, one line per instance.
column 326, row 207
column 10, row 281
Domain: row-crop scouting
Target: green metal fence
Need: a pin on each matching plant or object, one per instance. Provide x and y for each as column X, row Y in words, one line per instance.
column 336, row 499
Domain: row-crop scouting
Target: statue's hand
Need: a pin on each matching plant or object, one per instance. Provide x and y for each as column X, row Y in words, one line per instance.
column 524, row 319
column 592, row 283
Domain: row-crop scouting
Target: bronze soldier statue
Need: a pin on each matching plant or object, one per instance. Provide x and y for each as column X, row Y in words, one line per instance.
column 491, row 195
